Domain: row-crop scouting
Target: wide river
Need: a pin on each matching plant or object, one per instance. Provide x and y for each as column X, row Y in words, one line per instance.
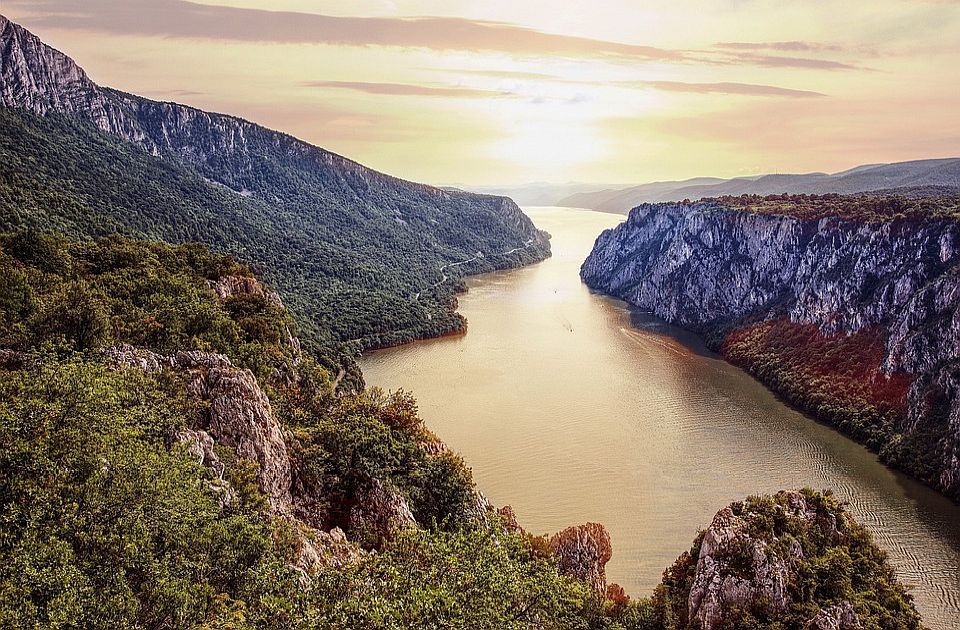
column 571, row 408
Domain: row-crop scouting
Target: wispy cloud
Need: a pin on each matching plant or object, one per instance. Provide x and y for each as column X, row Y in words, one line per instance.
column 406, row 89
column 792, row 46
column 779, row 61
column 178, row 18
column 511, row 74
column 746, row 89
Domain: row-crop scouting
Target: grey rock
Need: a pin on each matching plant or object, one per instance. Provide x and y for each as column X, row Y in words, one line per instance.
column 721, row 584
column 240, row 416
column 200, row 445
column 840, row 616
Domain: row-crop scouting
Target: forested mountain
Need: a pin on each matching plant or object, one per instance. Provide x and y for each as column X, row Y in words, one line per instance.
column 866, row 178
column 359, row 256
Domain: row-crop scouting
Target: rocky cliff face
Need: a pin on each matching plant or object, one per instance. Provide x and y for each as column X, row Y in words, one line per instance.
column 741, row 566
column 713, row 268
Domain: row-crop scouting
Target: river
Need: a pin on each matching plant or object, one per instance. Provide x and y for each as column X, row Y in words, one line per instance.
column 571, row 408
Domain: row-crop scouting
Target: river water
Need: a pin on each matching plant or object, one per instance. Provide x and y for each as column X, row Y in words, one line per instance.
column 571, row 408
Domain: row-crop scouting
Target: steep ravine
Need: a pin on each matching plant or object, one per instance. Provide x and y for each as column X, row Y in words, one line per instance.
column 851, row 317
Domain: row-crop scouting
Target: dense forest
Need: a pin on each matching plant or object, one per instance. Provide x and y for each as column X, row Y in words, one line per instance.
column 110, row 521
column 352, row 277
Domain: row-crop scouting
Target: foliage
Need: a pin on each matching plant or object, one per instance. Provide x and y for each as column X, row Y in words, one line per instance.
column 356, row 259
column 880, row 207
column 90, row 294
column 101, row 525
column 475, row 579
column 344, row 444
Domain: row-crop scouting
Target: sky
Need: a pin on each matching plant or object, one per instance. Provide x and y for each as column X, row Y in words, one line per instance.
column 502, row 92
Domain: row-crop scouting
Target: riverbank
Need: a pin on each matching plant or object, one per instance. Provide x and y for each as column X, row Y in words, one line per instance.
column 571, row 412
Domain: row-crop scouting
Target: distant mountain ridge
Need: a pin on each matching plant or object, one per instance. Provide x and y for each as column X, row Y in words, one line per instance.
column 943, row 172
column 357, row 254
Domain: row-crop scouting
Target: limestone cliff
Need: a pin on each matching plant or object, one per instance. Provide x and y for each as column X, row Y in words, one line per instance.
column 890, row 279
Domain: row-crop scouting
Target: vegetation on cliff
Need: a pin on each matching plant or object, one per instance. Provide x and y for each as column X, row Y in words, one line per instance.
column 880, row 207
column 836, row 377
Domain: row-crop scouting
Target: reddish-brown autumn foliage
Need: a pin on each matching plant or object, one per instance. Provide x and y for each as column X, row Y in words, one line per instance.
column 837, row 377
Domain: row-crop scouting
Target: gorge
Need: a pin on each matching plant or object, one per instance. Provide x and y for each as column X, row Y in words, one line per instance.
column 188, row 441
column 606, row 414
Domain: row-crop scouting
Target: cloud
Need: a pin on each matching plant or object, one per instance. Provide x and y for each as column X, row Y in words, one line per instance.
column 746, row 89
column 406, row 89
column 179, row 18
column 511, row 74
column 777, row 61
column 793, row 46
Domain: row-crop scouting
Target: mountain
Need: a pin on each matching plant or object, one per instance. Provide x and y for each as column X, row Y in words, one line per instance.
column 847, row 306
column 866, row 178
column 362, row 258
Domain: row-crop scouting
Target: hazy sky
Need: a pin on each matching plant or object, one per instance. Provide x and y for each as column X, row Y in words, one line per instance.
column 508, row 91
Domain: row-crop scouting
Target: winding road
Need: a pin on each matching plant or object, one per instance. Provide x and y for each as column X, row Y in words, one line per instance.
column 444, row 276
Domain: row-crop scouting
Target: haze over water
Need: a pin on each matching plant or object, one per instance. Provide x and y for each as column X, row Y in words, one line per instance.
column 571, row 411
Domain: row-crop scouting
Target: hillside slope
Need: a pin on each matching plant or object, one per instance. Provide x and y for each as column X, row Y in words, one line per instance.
column 173, row 460
column 358, row 255
column 846, row 306
column 866, row 178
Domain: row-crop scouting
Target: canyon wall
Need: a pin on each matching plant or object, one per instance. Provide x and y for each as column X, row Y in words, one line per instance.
column 886, row 290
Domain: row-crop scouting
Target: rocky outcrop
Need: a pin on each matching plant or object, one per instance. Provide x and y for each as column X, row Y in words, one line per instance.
column 739, row 567
column 582, row 552
column 734, row 571
column 708, row 266
column 200, row 445
column 317, row 549
column 238, row 415
column 228, row 286
column 379, row 511
column 840, row 616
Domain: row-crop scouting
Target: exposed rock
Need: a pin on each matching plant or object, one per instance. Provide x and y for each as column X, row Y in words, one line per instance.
column 735, row 569
column 379, row 511
column 126, row 356
column 240, row 416
column 616, row 596
column 228, row 286
column 317, row 549
column 510, row 520
column 840, row 616
column 195, row 359
column 705, row 266
column 582, row 552
column 200, row 445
